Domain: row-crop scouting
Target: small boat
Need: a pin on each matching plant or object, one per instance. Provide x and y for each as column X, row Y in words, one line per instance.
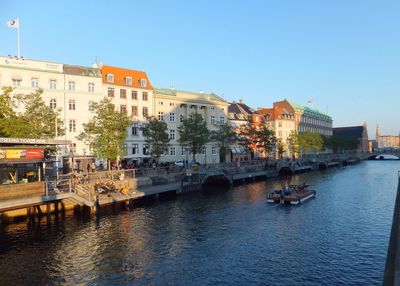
column 293, row 194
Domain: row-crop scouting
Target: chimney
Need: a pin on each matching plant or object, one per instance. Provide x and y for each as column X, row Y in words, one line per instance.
column 241, row 101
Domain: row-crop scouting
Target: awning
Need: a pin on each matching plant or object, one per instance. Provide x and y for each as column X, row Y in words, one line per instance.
column 16, row 76
column 238, row 150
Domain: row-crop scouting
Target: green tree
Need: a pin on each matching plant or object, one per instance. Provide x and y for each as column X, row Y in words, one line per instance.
column 156, row 137
column 309, row 141
column 106, row 131
column 341, row 143
column 257, row 138
column 224, row 137
column 293, row 143
column 280, row 147
column 37, row 120
column 194, row 134
column 7, row 113
column 266, row 139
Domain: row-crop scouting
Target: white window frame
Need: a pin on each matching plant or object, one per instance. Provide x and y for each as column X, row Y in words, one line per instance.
column 110, row 78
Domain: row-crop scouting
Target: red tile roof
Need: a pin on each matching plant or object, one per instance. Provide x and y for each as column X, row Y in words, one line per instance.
column 120, row 75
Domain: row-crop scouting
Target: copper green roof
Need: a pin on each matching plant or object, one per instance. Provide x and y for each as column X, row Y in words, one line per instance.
column 173, row 92
column 308, row 110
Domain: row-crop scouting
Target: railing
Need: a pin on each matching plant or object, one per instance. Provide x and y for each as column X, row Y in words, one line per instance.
column 392, row 267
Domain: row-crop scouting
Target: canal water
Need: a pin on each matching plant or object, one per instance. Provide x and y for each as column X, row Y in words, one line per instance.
column 231, row 237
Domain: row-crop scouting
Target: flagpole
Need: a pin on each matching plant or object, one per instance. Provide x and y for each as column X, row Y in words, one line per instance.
column 18, row 38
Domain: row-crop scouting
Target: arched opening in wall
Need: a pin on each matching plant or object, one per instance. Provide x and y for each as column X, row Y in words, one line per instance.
column 322, row 166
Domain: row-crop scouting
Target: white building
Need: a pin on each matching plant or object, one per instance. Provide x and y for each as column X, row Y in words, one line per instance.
column 69, row 89
column 172, row 106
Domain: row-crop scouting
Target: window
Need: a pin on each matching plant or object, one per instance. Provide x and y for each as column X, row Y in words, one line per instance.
column 172, row 151
column 213, row 150
column 110, row 92
column 212, row 108
column 222, row 120
column 145, row 111
column 91, row 87
column 183, row 151
column 35, row 82
column 203, row 150
column 145, row 150
column 181, row 117
column 72, row 125
column 53, row 84
column 160, row 103
column 134, row 110
column 161, row 116
column 128, row 80
column 71, row 85
column 212, row 121
column 16, row 82
column 90, row 105
column 279, row 124
column 145, row 96
column 135, row 129
column 143, row 82
column 134, row 94
column 172, row 117
column 231, row 115
column 122, row 108
column 172, row 134
column 279, row 133
column 122, row 93
column 171, row 104
column 135, row 149
column 53, row 103
column 71, row 105
column 110, row 78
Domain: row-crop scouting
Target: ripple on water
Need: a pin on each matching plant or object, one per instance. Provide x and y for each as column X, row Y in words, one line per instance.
column 224, row 238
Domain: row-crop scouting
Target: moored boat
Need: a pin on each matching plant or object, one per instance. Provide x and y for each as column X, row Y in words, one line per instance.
column 293, row 195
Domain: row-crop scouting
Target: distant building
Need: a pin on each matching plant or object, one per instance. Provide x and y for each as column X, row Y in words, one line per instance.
column 172, row 106
column 386, row 141
column 281, row 120
column 358, row 132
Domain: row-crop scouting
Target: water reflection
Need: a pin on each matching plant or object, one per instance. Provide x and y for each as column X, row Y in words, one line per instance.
column 220, row 237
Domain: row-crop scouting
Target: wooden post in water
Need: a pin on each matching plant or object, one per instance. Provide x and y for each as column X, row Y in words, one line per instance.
column 48, row 212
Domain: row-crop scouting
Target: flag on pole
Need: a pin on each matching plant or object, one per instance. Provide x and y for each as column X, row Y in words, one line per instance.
column 13, row 23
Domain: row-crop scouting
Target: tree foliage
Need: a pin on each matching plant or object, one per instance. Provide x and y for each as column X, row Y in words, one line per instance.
column 36, row 119
column 224, row 137
column 106, row 132
column 194, row 134
column 156, row 137
column 293, row 143
column 257, row 138
column 341, row 143
column 280, row 147
column 309, row 142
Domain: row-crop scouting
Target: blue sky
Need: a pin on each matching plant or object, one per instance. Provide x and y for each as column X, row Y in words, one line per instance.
column 342, row 54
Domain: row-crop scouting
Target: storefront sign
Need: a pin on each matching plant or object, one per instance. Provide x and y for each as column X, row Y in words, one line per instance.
column 15, row 154
column 34, row 153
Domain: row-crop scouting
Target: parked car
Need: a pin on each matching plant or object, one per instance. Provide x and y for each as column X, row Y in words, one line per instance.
column 180, row 163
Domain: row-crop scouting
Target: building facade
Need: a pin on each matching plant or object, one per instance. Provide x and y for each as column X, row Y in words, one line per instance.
column 307, row 119
column 131, row 92
column 387, row 141
column 69, row 89
column 357, row 132
column 172, row 106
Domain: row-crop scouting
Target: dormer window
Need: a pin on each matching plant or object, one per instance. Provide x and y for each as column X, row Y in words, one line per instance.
column 110, row 78
column 143, row 82
column 128, row 80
